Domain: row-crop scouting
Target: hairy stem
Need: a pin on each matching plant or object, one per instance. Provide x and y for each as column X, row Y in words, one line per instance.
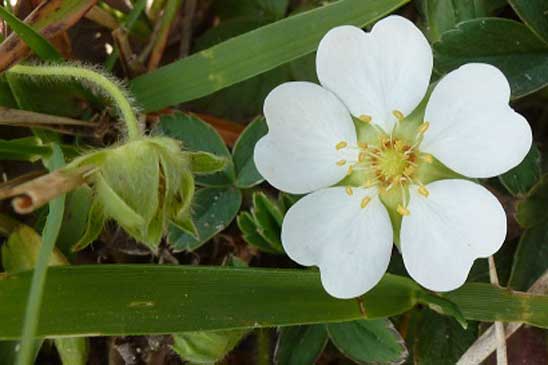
column 106, row 86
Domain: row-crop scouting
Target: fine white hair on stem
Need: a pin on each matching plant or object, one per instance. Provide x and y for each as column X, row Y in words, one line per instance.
column 94, row 79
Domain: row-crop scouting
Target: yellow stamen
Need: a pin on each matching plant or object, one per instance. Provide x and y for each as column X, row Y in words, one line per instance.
column 427, row 158
column 350, row 170
column 423, row 191
column 403, row 211
column 365, row 118
column 424, row 127
column 362, row 156
column 409, row 170
column 341, row 145
column 365, row 201
column 399, row 144
column 399, row 115
column 362, row 145
column 348, row 190
column 341, row 162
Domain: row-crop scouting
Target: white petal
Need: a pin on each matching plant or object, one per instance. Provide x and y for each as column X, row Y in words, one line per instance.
column 351, row 245
column 473, row 130
column 305, row 123
column 458, row 222
column 378, row 72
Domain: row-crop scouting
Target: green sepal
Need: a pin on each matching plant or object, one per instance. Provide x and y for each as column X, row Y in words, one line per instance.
column 94, row 226
column 206, row 163
column 115, row 207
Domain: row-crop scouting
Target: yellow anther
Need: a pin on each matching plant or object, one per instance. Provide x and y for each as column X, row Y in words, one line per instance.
column 341, row 145
column 399, row 144
column 368, row 183
column 423, row 191
column 403, row 211
column 362, row 145
column 409, row 170
column 348, row 190
column 365, row 201
column 424, row 127
column 341, row 162
column 399, row 115
column 350, row 170
column 362, row 156
column 365, row 118
column 427, row 158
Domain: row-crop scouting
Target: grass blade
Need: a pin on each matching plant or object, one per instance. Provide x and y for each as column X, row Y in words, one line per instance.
column 33, row 39
column 252, row 53
column 159, row 299
column 38, row 284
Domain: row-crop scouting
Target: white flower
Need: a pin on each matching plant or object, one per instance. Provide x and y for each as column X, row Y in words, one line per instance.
column 377, row 171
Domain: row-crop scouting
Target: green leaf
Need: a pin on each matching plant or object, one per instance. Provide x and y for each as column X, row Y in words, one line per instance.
column 440, row 340
column 442, row 15
column 20, row 252
column 250, row 233
column 23, row 149
column 268, row 218
column 238, row 298
column 531, row 258
column 299, row 345
column 534, row 13
column 197, row 135
column 366, row 341
column 206, row 347
column 206, row 163
column 214, row 209
column 252, row 53
column 504, row 43
column 246, row 171
column 524, row 176
column 532, row 210
column 32, row 38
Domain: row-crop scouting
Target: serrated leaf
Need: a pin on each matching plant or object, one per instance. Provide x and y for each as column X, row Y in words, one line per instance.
column 442, row 15
column 504, row 43
column 213, row 210
column 524, row 176
column 534, row 13
column 299, row 345
column 268, row 224
column 246, row 171
column 366, row 341
column 249, row 229
column 197, row 135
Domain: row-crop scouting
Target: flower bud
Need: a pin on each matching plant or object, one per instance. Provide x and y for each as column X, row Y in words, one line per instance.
column 143, row 185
